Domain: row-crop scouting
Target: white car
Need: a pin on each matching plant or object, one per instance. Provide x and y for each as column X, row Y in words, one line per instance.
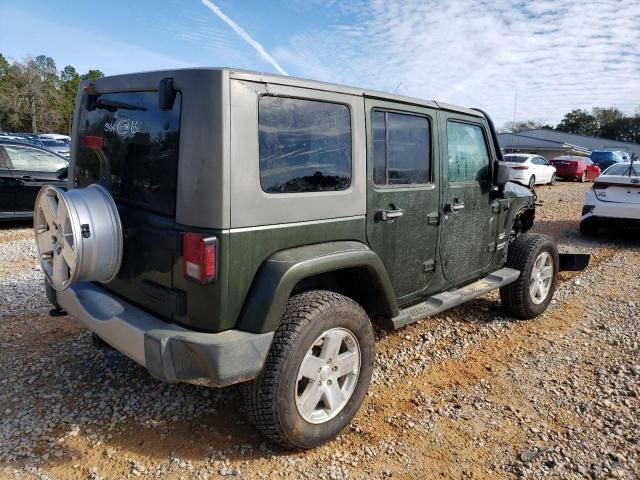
column 529, row 169
column 614, row 198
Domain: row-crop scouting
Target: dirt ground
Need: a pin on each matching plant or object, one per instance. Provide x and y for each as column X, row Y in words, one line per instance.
column 469, row 393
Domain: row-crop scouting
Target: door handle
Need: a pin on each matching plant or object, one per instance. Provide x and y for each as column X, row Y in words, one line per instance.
column 455, row 206
column 27, row 178
column 389, row 215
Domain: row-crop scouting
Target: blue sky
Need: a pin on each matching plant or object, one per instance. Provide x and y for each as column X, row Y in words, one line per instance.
column 557, row 55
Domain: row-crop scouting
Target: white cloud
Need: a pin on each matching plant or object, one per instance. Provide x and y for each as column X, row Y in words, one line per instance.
column 558, row 55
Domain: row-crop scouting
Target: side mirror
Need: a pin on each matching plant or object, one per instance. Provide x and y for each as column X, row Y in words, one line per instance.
column 501, row 174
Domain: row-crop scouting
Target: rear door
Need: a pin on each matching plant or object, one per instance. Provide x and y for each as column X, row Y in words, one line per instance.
column 33, row 168
column 402, row 192
column 129, row 144
column 469, row 224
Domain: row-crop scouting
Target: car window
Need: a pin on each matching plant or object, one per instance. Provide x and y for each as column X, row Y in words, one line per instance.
column 25, row 158
column 623, row 169
column 467, row 152
column 401, row 149
column 305, row 145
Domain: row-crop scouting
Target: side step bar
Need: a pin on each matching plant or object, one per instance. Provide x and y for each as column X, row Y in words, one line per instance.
column 446, row 300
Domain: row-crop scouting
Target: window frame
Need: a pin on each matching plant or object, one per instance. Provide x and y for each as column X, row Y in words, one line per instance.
column 351, row 142
column 489, row 179
column 430, row 121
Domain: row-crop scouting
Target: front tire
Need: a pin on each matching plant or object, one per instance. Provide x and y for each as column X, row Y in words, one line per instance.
column 317, row 372
column 583, row 178
column 536, row 256
column 553, row 179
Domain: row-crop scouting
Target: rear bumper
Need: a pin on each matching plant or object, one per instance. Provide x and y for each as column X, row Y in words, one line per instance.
column 170, row 352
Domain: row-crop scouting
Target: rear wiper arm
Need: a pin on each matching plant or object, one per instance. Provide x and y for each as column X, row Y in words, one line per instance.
column 112, row 105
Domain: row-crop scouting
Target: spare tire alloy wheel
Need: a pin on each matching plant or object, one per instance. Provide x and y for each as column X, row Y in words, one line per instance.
column 78, row 235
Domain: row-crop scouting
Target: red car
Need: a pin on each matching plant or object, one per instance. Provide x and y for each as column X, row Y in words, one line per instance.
column 575, row 168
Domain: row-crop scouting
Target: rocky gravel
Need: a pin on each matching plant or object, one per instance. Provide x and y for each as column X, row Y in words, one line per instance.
column 469, row 393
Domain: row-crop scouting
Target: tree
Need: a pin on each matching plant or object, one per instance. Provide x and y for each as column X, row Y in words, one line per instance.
column 523, row 125
column 4, row 67
column 607, row 115
column 69, row 82
column 625, row 129
column 92, row 74
column 579, row 122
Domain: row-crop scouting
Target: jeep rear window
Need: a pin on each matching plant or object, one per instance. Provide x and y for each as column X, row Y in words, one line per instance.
column 127, row 143
column 305, row 145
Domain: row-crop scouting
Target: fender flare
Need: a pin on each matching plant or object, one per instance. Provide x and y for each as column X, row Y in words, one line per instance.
column 280, row 273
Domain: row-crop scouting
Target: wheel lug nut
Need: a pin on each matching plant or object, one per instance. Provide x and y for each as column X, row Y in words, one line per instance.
column 334, row 368
column 328, row 382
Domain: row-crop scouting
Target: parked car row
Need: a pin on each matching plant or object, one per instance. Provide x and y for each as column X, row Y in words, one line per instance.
column 532, row 169
column 60, row 144
column 24, row 169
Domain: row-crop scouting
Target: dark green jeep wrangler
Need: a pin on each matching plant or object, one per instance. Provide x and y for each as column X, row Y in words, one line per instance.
column 224, row 226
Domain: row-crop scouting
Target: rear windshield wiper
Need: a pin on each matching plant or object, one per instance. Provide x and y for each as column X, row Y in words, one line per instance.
column 111, row 105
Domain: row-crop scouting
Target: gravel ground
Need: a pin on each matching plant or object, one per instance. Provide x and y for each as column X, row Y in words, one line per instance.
column 470, row 393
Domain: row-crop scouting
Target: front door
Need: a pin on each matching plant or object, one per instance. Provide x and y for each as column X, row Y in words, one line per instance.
column 32, row 169
column 402, row 194
column 469, row 225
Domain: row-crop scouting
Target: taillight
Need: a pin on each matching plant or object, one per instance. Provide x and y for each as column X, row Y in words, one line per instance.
column 199, row 256
column 91, row 141
column 522, row 167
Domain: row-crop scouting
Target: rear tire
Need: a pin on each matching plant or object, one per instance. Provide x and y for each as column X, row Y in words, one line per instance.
column 532, row 181
column 536, row 257
column 583, row 178
column 291, row 401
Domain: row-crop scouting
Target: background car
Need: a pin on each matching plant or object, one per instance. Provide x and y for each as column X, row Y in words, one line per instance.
column 24, row 169
column 575, row 168
column 66, row 139
column 605, row 158
column 529, row 169
column 56, row 146
column 614, row 199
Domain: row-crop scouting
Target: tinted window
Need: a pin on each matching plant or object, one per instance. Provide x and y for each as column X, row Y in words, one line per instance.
column 305, row 145
column 25, row 158
column 127, row 143
column 468, row 156
column 401, row 149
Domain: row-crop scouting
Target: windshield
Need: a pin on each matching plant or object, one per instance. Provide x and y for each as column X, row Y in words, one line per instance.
column 515, row 158
column 626, row 169
column 127, row 143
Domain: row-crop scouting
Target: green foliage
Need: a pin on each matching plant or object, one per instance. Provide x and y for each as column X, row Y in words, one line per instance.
column 35, row 97
column 580, row 122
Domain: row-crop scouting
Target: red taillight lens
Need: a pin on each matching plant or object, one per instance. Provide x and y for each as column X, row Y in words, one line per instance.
column 522, row 167
column 199, row 256
column 91, row 141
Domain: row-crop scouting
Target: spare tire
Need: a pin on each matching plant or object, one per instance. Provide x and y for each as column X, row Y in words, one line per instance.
column 78, row 235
